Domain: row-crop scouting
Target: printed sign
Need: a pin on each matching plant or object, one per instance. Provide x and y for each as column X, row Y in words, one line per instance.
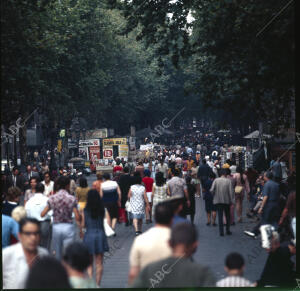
column 107, row 153
column 89, row 142
column 114, row 141
column 94, row 153
column 123, row 151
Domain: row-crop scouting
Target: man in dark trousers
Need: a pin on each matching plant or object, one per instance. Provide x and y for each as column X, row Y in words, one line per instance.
column 270, row 205
column 223, row 193
column 125, row 182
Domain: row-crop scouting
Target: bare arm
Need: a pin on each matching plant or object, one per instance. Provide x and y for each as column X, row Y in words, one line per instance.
column 45, row 211
column 152, row 195
column 129, row 194
column 119, row 195
column 77, row 215
column 146, row 198
column 168, row 191
column 101, row 192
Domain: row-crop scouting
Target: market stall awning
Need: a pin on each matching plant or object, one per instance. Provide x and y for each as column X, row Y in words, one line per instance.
column 255, row 134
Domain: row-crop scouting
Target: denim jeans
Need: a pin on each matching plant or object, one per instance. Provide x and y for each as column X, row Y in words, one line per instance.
column 62, row 235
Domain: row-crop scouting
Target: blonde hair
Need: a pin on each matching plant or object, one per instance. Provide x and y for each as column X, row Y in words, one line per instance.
column 18, row 213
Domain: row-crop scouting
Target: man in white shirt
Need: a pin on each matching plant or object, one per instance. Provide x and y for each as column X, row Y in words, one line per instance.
column 18, row 258
column 34, row 208
column 49, row 185
column 163, row 167
column 152, row 245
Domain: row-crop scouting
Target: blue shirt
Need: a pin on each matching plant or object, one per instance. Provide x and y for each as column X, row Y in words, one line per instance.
column 179, row 219
column 9, row 226
column 271, row 189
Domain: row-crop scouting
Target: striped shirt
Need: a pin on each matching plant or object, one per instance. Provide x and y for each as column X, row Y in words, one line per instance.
column 234, row 281
column 109, row 189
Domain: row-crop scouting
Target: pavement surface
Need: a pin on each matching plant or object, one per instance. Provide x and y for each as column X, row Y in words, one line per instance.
column 211, row 251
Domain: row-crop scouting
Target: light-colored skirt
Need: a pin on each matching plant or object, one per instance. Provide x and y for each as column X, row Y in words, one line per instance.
column 149, row 194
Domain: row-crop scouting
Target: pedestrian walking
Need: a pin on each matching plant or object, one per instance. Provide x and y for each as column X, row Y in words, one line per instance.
column 97, row 184
column 177, row 187
column 180, row 270
column 195, row 180
column 124, row 183
column 223, row 193
column 148, row 183
column 152, row 245
column 63, row 205
column 111, row 196
column 18, row 258
column 210, row 207
column 92, row 231
column 34, row 207
column 81, row 193
column 191, row 192
column 48, row 184
column 138, row 198
column 76, row 261
column 241, row 189
column 47, row 273
column 31, row 191
column 160, row 190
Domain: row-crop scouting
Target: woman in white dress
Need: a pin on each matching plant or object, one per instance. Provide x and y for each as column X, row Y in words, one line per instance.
column 160, row 191
column 138, row 197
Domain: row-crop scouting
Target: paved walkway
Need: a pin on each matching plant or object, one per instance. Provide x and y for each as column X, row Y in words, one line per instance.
column 212, row 250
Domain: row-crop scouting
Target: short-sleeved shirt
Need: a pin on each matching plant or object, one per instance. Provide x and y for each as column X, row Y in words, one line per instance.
column 271, row 189
column 110, row 191
column 151, row 246
column 177, row 186
column 62, row 204
column 148, row 183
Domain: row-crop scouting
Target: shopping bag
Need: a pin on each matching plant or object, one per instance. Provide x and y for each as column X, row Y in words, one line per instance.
column 108, row 230
column 128, row 206
column 122, row 215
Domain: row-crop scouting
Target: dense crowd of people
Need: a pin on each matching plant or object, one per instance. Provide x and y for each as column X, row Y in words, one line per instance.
column 43, row 211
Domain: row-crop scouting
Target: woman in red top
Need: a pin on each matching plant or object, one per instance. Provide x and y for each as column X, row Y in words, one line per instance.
column 148, row 182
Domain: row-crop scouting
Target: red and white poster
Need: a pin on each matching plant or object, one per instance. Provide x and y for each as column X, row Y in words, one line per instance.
column 94, row 153
column 107, row 153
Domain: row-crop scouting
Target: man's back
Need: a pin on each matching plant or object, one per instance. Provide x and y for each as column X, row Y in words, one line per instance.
column 175, row 272
column 204, row 171
column 222, row 190
column 150, row 246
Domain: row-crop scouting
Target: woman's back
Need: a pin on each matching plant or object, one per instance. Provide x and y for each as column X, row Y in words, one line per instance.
column 160, row 192
column 92, row 224
column 81, row 193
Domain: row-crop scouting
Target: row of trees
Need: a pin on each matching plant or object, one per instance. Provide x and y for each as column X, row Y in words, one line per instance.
column 118, row 63
column 237, row 55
